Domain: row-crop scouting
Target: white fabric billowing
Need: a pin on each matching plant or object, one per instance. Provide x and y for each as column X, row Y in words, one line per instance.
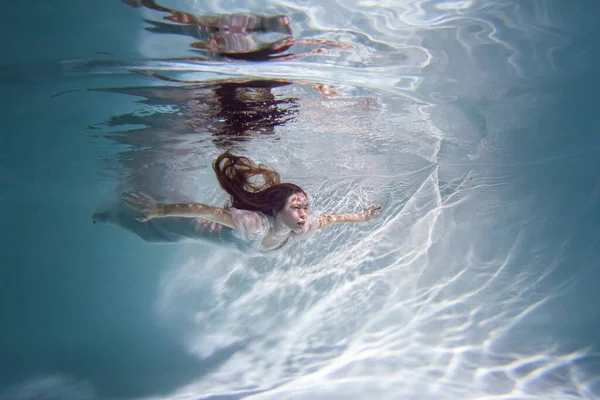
column 251, row 225
column 254, row 226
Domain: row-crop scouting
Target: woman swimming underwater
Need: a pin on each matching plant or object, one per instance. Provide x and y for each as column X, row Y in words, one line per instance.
column 266, row 216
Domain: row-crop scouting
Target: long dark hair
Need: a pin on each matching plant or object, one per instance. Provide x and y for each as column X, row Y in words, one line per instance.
column 241, row 178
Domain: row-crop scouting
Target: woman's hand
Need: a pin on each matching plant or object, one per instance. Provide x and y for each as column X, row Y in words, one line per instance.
column 142, row 203
column 371, row 211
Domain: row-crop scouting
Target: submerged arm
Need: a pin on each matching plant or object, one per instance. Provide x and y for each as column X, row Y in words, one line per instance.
column 151, row 209
column 365, row 215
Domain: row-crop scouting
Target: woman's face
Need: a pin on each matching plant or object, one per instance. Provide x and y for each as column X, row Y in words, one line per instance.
column 295, row 212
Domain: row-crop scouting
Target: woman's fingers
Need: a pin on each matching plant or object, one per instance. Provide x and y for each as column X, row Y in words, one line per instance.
column 138, row 197
column 372, row 210
column 139, row 201
column 132, row 201
column 142, row 203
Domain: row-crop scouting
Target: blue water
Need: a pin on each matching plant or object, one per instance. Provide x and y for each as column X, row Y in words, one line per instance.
column 474, row 124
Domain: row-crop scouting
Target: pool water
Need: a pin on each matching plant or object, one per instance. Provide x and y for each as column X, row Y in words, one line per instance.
column 473, row 123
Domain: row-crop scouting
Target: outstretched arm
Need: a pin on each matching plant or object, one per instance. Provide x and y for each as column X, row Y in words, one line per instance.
column 151, row 209
column 365, row 215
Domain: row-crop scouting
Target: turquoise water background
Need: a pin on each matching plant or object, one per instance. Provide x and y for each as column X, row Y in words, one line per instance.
column 474, row 123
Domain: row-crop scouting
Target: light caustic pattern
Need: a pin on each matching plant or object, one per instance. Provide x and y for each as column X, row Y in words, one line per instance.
column 396, row 311
column 436, row 299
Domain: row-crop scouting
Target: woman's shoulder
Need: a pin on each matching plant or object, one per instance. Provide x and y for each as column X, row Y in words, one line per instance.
column 251, row 224
column 248, row 213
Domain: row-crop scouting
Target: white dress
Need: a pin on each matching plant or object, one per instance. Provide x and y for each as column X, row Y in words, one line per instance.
column 252, row 227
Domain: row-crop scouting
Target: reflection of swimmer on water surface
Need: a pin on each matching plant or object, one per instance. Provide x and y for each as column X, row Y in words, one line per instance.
column 262, row 216
column 225, row 22
column 233, row 111
column 237, row 36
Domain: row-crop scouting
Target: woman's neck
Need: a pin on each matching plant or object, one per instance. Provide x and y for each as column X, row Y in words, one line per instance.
column 279, row 229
